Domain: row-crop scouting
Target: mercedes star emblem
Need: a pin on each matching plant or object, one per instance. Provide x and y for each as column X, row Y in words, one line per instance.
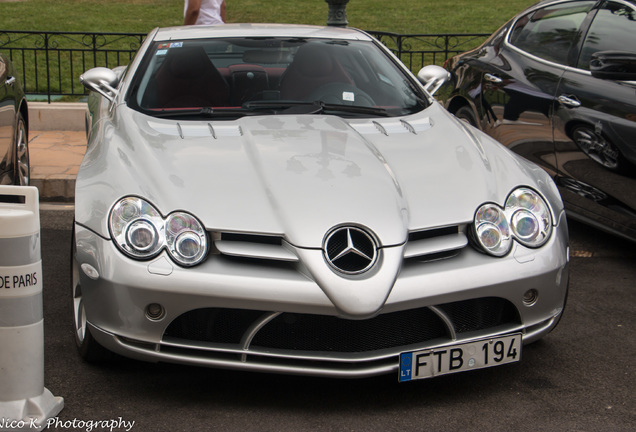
column 350, row 250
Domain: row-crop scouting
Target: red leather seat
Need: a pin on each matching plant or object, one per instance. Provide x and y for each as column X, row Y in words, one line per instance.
column 188, row 79
column 313, row 66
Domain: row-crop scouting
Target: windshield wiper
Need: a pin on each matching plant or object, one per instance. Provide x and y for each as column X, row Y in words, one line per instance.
column 355, row 109
column 275, row 107
column 205, row 112
column 315, row 107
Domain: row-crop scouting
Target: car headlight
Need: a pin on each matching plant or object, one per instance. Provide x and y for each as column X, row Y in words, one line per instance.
column 140, row 231
column 186, row 239
column 530, row 217
column 493, row 229
column 525, row 218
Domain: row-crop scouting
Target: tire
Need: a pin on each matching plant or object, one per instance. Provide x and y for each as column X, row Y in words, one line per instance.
column 89, row 349
column 582, row 189
column 599, row 149
column 466, row 114
column 21, row 160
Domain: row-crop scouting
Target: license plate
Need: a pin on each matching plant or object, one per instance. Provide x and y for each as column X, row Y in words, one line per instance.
column 458, row 358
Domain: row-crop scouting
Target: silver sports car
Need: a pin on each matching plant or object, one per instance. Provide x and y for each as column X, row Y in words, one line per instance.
column 292, row 199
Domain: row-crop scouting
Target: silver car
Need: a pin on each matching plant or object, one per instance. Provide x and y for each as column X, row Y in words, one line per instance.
column 291, row 199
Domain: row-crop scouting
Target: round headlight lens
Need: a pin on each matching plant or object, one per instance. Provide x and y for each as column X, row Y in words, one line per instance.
column 141, row 235
column 525, row 224
column 489, row 236
column 188, row 245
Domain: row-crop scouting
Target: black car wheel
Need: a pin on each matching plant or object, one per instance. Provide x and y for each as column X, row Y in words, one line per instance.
column 21, row 162
column 466, row 114
column 597, row 148
column 582, row 189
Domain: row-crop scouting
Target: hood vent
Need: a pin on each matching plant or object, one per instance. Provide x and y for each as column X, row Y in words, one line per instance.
column 392, row 126
column 197, row 130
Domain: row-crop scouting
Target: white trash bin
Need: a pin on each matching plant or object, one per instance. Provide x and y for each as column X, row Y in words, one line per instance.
column 24, row 402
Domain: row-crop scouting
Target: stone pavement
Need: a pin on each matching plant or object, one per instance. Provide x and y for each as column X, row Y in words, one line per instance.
column 55, row 158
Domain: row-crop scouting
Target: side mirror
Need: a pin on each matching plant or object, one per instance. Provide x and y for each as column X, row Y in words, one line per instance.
column 433, row 77
column 119, row 71
column 614, row 65
column 101, row 80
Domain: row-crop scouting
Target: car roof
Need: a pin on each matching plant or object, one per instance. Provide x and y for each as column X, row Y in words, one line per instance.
column 548, row 2
column 258, row 30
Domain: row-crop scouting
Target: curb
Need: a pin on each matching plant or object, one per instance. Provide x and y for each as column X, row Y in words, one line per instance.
column 58, row 116
column 55, row 190
column 70, row 116
column 56, row 146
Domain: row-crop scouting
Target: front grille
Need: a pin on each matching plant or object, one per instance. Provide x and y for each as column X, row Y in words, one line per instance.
column 252, row 238
column 319, row 333
column 432, row 233
column 322, row 333
column 217, row 325
column 480, row 314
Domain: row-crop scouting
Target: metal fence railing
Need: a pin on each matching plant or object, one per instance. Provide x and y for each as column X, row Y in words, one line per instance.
column 50, row 63
column 419, row 50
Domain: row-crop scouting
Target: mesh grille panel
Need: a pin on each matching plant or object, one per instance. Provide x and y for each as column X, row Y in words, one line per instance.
column 322, row 333
column 213, row 325
column 478, row 314
column 306, row 332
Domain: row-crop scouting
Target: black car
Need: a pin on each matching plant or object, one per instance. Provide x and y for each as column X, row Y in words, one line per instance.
column 557, row 84
column 14, row 143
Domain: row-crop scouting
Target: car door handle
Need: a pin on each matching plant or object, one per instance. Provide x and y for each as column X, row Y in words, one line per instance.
column 10, row 81
column 569, row 101
column 493, row 78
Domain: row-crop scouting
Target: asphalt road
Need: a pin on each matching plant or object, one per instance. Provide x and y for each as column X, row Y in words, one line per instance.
column 581, row 377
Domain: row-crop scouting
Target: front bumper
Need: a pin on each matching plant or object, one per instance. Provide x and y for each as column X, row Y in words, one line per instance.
column 240, row 314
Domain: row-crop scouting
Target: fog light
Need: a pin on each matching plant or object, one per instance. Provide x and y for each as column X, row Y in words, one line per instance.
column 155, row 311
column 90, row 271
column 530, row 297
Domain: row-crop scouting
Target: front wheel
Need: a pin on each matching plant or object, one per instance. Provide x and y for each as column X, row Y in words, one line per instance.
column 21, row 161
column 599, row 149
column 466, row 114
column 89, row 349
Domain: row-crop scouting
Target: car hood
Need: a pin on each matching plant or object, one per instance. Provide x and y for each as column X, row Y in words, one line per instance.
column 298, row 176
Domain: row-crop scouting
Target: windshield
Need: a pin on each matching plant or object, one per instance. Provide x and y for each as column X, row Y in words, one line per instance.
column 230, row 78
